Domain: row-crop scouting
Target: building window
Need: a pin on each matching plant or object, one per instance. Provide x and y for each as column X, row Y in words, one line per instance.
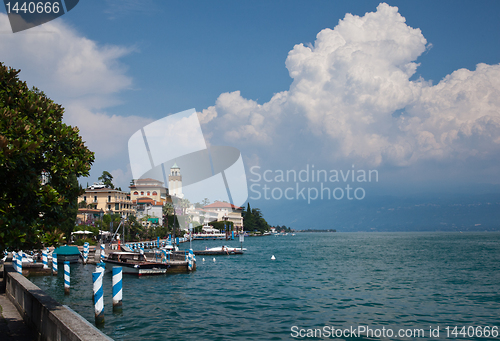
column 149, row 193
column 142, row 192
column 117, row 207
column 136, row 193
column 155, row 193
column 85, row 198
column 109, row 198
column 95, row 198
column 109, row 207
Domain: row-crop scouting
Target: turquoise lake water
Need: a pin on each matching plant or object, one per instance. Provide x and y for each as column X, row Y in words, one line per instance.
column 390, row 281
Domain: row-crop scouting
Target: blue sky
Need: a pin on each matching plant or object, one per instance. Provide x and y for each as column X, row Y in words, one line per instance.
column 190, row 52
column 119, row 65
column 193, row 51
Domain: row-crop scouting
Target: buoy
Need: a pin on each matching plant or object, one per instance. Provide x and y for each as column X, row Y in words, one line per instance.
column 272, row 257
column 203, row 259
column 214, row 260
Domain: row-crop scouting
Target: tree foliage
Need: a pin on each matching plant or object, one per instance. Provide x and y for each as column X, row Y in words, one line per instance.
column 134, row 229
column 107, row 179
column 219, row 225
column 248, row 219
column 40, row 160
column 253, row 220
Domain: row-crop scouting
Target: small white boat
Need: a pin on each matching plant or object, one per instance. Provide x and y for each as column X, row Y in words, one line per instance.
column 226, row 248
column 169, row 247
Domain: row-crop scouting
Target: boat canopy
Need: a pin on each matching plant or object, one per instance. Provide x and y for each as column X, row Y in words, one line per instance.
column 67, row 250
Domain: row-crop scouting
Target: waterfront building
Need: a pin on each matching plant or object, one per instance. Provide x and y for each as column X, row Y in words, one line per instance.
column 149, row 211
column 105, row 201
column 148, row 188
column 227, row 212
column 199, row 216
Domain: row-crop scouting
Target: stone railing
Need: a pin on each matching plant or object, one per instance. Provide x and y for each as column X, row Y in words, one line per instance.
column 51, row 320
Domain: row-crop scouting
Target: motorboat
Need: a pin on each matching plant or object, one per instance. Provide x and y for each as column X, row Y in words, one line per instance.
column 136, row 263
column 226, row 248
column 169, row 247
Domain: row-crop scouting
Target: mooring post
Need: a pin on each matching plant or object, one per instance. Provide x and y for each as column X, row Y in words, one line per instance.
column 85, row 252
column 117, row 288
column 54, row 263
column 191, row 260
column 98, row 297
column 44, row 259
column 19, row 264
column 14, row 261
column 66, row 277
column 102, row 252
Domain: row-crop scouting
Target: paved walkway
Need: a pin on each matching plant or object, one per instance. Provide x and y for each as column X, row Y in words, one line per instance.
column 12, row 326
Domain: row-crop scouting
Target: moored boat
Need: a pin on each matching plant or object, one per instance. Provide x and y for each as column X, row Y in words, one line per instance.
column 226, row 248
column 135, row 263
column 221, row 250
column 67, row 253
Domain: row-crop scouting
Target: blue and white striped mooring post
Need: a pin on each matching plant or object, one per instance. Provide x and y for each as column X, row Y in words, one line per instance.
column 102, row 252
column 85, row 252
column 191, row 260
column 117, row 288
column 44, row 259
column 100, row 267
column 54, row 263
column 19, row 264
column 14, row 261
column 98, row 297
column 66, row 278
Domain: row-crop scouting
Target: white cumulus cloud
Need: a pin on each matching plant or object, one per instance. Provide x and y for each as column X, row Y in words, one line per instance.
column 352, row 90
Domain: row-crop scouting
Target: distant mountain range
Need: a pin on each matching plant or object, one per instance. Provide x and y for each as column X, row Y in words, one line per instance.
column 423, row 212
